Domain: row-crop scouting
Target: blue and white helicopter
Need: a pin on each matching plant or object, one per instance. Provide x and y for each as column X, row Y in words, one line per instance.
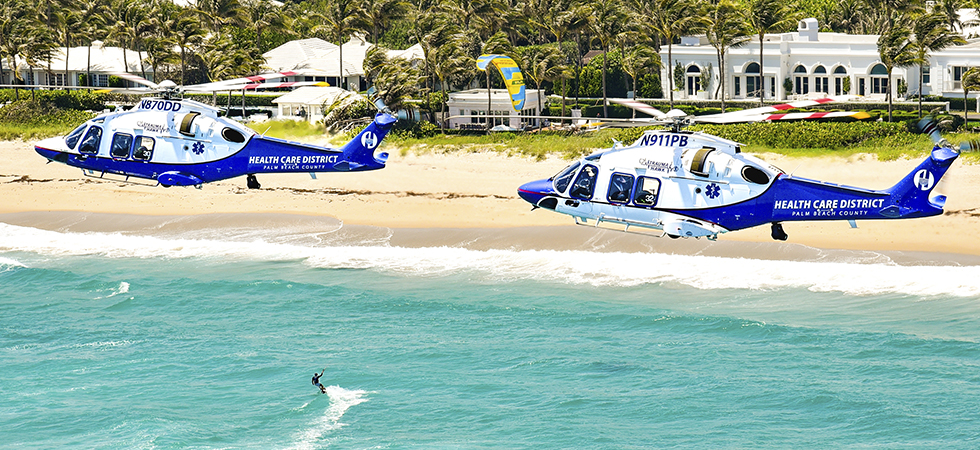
column 179, row 142
column 693, row 184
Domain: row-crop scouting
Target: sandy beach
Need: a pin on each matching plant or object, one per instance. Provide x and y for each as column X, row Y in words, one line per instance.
column 471, row 199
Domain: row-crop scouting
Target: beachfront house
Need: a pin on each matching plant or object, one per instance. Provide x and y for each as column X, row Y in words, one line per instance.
column 474, row 102
column 811, row 64
column 307, row 102
column 99, row 60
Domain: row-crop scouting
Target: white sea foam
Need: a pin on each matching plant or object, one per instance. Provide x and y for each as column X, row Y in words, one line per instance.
column 573, row 267
column 7, row 264
column 340, row 401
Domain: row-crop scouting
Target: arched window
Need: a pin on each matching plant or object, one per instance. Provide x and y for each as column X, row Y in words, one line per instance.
column 801, row 81
column 879, row 79
column 693, row 79
column 840, row 73
column 753, row 82
column 820, row 80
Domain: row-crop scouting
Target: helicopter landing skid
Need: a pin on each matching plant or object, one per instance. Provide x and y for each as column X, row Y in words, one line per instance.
column 109, row 176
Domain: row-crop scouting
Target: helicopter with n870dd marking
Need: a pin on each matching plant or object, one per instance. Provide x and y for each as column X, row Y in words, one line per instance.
column 179, row 142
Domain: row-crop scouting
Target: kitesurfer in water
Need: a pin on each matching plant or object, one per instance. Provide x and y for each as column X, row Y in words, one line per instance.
column 316, row 380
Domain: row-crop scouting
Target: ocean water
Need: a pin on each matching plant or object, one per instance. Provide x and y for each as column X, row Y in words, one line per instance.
column 208, row 338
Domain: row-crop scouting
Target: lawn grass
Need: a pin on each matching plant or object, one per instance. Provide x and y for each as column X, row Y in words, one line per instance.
column 287, row 129
column 538, row 146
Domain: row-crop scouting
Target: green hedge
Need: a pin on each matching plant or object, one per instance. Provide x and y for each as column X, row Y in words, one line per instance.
column 82, row 99
column 802, row 134
column 252, row 100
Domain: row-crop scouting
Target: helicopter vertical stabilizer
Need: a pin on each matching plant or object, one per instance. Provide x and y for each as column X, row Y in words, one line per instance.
column 359, row 153
column 911, row 195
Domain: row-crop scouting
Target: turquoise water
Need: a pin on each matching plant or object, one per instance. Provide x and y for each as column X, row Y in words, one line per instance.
column 113, row 340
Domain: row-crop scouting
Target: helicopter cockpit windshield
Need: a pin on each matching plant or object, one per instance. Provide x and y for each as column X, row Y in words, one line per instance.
column 75, row 135
column 564, row 178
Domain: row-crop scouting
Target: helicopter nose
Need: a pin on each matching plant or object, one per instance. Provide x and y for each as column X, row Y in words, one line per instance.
column 534, row 191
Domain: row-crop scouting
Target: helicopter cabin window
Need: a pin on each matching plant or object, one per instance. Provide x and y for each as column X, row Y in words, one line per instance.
column 90, row 143
column 620, row 187
column 647, row 191
column 121, row 143
column 584, row 185
column 699, row 162
column 754, row 175
column 186, row 122
column 75, row 135
column 565, row 177
column 144, row 148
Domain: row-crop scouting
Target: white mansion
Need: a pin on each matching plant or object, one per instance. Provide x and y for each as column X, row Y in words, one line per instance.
column 816, row 63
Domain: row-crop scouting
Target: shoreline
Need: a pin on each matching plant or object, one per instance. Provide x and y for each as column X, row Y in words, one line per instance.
column 314, row 231
column 466, row 194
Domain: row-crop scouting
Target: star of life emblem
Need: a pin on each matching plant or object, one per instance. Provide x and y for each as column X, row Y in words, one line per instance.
column 924, row 180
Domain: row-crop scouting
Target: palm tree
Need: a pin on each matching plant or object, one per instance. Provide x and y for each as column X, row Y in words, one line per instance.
column 559, row 18
column 118, row 19
column 218, row 13
column 497, row 44
column 395, row 79
column 970, row 80
column 340, row 19
column 638, row 59
column 607, row 21
column 64, row 22
column 90, row 18
column 541, row 63
column 380, row 14
column 261, row 14
column 725, row 27
column 929, row 34
column 768, row 16
column 895, row 50
column 670, row 19
column 186, row 32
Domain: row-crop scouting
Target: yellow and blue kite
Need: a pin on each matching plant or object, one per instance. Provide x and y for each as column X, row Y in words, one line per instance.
column 513, row 78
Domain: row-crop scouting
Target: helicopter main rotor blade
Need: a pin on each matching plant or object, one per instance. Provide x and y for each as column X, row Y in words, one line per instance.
column 640, row 106
column 137, row 79
column 254, row 86
column 787, row 106
column 721, row 119
column 254, row 79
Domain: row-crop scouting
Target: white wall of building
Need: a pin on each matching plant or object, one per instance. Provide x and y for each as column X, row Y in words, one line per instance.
column 474, row 102
column 816, row 63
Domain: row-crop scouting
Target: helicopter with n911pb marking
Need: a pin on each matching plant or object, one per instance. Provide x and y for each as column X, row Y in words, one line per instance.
column 693, row 184
column 180, row 142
